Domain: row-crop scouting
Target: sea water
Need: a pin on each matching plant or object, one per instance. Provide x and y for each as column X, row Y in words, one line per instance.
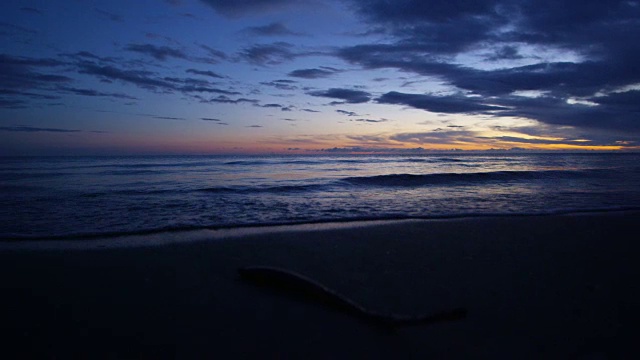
column 76, row 197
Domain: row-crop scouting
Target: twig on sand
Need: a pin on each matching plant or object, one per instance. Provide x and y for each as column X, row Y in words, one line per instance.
column 294, row 284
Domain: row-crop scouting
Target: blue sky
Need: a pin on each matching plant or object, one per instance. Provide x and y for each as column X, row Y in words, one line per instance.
column 212, row 76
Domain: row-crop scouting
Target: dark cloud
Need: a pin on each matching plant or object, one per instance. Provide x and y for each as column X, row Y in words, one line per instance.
column 32, row 95
column 168, row 118
column 273, row 29
column 27, row 61
column 254, row 126
column 12, row 103
column 20, row 76
column 348, row 95
column 276, row 106
column 226, row 100
column 380, row 150
column 7, row 29
column 401, row 12
column 157, row 52
column 109, row 15
column 214, row 56
column 313, row 73
column 310, row 110
column 506, row 52
column 281, row 84
column 348, row 113
column 91, row 92
column 557, row 111
column 242, row 7
column 627, row 100
column 205, row 73
column 36, row 129
column 31, row 10
column 86, row 55
column 516, row 139
column 269, row 54
column 425, row 36
column 150, row 80
column 441, row 104
column 371, row 120
column 210, row 119
column 141, row 78
column 437, row 137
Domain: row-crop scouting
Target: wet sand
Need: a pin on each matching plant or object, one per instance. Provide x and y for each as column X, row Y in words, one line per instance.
column 560, row 286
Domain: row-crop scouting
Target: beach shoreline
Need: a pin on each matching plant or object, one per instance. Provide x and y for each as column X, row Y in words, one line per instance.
column 534, row 286
column 161, row 238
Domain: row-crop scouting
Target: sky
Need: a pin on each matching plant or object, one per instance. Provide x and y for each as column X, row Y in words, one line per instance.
column 83, row 77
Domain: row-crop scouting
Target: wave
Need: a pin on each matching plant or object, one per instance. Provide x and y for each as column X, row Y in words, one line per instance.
column 295, row 162
column 267, row 189
column 12, row 176
column 134, row 172
column 79, row 236
column 412, row 180
column 392, row 180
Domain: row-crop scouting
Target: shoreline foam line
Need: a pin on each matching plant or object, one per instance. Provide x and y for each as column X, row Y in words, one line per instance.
column 161, row 238
column 183, row 229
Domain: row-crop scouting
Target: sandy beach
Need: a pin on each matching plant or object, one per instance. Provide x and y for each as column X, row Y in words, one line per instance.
column 554, row 286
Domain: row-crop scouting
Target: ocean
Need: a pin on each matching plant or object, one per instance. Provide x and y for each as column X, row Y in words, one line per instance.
column 85, row 197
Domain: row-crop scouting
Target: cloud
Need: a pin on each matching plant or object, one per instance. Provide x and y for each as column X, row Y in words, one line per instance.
column 371, row 120
column 273, row 29
column 226, row 100
column 313, row 73
column 310, row 110
column 151, row 81
column 31, row 10
column 86, row 55
column 348, row 95
column 243, row 7
column 441, row 104
column 168, row 118
column 567, row 49
column 36, row 129
column 32, row 95
column 21, row 76
column 214, row 56
column 210, row 119
column 12, row 103
column 269, row 54
column 506, row 52
column 91, row 92
column 348, row 113
column 141, row 78
column 557, row 111
column 161, row 53
column 254, row 126
column 7, row 29
column 437, row 137
column 205, row 73
column 281, row 84
column 109, row 15
column 369, row 149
